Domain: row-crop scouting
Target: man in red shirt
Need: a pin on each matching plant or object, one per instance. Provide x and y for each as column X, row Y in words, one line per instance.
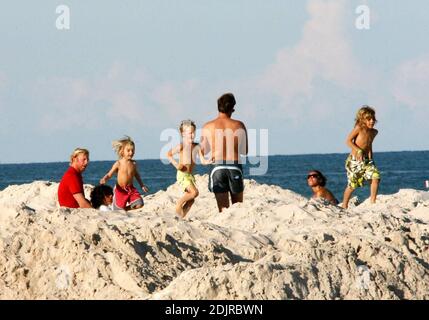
column 70, row 190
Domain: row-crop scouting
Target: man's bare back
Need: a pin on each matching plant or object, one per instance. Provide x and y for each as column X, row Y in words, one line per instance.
column 225, row 138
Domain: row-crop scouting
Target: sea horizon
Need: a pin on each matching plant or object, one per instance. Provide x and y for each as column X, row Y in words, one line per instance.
column 399, row 170
column 253, row 156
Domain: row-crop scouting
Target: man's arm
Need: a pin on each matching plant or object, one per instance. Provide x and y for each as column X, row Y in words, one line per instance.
column 246, row 138
column 83, row 203
column 205, row 140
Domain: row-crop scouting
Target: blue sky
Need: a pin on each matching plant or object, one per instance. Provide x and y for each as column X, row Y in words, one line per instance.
column 297, row 68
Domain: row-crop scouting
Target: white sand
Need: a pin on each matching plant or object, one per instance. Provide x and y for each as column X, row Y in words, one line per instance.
column 276, row 245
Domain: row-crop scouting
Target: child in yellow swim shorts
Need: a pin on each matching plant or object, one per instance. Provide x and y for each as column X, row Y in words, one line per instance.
column 187, row 151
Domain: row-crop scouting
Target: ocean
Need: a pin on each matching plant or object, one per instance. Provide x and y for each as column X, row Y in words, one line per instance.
column 399, row 170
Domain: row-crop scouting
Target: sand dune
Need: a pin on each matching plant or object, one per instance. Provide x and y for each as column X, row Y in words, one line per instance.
column 276, row 245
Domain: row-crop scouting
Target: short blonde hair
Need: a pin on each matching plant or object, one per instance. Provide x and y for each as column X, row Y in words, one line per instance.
column 364, row 113
column 119, row 145
column 187, row 123
column 77, row 152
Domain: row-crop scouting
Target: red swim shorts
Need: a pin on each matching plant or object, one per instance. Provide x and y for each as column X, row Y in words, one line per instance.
column 122, row 196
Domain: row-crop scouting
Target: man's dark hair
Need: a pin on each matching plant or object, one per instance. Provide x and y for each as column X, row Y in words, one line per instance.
column 226, row 103
column 98, row 194
column 321, row 178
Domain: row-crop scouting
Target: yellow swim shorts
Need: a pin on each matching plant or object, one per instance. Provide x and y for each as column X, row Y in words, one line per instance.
column 185, row 179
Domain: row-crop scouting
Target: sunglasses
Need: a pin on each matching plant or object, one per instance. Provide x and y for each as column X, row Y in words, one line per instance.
column 314, row 175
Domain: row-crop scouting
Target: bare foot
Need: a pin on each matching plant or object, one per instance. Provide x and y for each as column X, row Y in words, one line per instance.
column 186, row 207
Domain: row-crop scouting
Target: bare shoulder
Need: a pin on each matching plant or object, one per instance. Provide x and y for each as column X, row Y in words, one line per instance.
column 240, row 124
column 356, row 131
column 209, row 124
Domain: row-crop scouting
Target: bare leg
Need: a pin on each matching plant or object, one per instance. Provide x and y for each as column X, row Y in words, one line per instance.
column 187, row 206
column 189, row 196
column 222, row 200
column 238, row 197
column 347, row 194
column 374, row 189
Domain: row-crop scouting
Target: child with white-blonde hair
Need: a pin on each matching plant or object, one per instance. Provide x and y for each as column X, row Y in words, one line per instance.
column 125, row 195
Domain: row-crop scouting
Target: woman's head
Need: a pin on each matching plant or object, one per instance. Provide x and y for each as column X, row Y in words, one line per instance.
column 101, row 195
column 316, row 178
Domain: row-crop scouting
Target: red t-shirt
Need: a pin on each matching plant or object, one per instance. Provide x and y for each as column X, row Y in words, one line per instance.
column 70, row 184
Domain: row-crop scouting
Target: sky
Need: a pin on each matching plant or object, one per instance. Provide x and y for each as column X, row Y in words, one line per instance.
column 299, row 70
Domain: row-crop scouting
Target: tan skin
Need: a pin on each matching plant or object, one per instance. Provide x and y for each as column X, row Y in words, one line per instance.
column 79, row 163
column 360, row 141
column 318, row 190
column 221, row 137
column 126, row 170
column 187, row 151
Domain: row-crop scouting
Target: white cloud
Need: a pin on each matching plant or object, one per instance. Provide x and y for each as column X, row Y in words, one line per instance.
column 88, row 103
column 323, row 53
column 411, row 82
column 120, row 96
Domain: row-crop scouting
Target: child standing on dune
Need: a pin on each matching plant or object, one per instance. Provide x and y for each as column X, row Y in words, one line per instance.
column 360, row 165
column 187, row 151
column 125, row 196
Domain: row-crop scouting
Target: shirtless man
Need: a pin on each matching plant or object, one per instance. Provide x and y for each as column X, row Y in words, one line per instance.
column 317, row 182
column 225, row 139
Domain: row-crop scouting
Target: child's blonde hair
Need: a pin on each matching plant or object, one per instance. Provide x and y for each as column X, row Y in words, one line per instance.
column 78, row 151
column 364, row 113
column 187, row 123
column 119, row 145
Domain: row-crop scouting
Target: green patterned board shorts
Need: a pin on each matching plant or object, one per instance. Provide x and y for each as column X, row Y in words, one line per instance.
column 360, row 171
